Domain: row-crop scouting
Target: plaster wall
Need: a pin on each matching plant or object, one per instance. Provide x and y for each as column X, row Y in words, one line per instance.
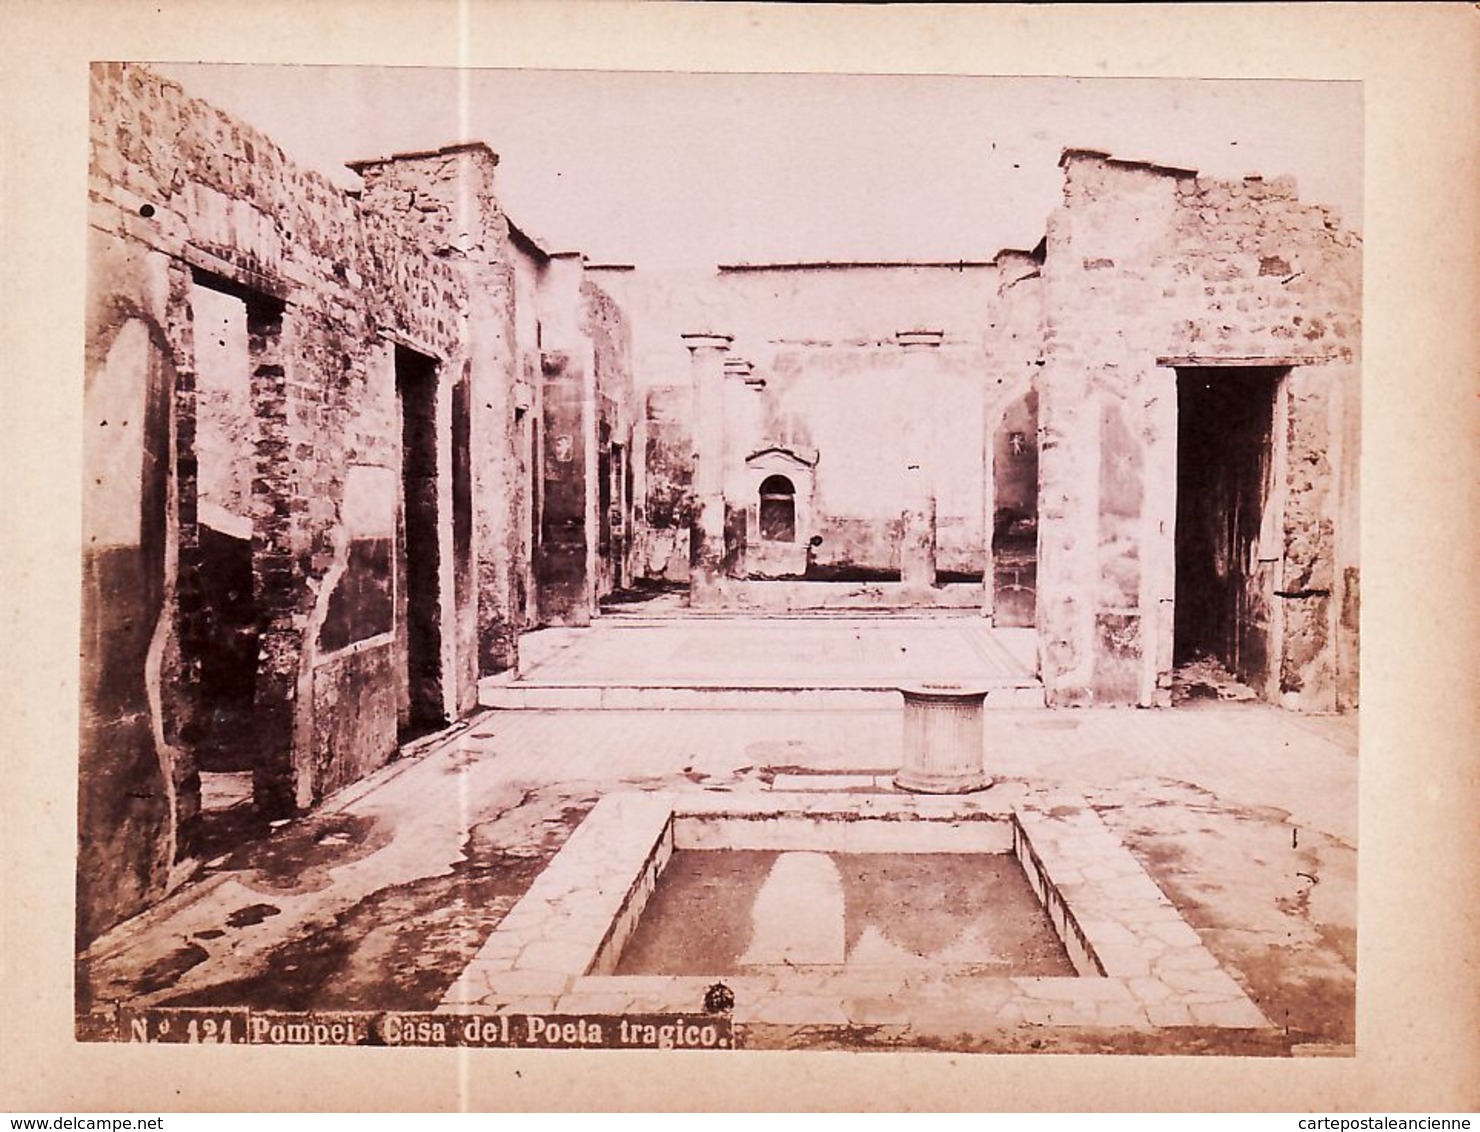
column 1147, row 269
column 182, row 196
column 853, row 406
column 668, row 476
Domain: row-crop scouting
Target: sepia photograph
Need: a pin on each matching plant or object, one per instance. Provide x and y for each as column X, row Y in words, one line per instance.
column 766, row 561
column 649, row 557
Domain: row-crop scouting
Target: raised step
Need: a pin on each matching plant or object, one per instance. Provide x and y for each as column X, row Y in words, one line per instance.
column 494, row 693
column 769, row 663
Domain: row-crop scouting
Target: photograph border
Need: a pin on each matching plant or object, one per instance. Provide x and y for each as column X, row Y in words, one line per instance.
column 1418, row 1040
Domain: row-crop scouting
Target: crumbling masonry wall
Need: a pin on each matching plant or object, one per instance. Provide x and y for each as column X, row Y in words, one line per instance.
column 443, row 203
column 603, row 323
column 1147, row 270
column 668, row 480
column 1013, row 365
column 182, row 195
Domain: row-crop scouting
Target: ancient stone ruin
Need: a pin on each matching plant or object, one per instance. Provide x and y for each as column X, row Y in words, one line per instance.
column 345, row 448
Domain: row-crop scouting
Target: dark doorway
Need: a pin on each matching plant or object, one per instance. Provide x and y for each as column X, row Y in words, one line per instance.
column 241, row 759
column 604, row 490
column 536, row 480
column 464, row 583
column 1228, row 538
column 618, row 506
column 421, row 598
column 778, row 517
column 222, row 641
column 1015, row 515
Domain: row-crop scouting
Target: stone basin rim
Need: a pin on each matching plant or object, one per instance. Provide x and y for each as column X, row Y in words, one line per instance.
column 945, row 691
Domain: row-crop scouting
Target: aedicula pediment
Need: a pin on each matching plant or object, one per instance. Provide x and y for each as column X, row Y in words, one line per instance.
column 802, row 458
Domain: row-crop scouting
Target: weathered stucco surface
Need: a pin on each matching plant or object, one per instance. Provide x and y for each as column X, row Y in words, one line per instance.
column 253, row 335
column 1148, row 269
column 662, row 529
column 185, row 200
column 1065, row 369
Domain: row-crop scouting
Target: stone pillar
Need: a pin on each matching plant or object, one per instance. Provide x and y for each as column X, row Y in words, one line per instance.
column 740, row 439
column 943, row 740
column 564, row 560
column 707, row 534
column 1158, row 537
column 917, row 533
column 445, row 201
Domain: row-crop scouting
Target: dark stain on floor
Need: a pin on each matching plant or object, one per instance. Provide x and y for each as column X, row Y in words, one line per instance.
column 1184, row 1040
column 222, row 831
column 402, row 946
column 166, row 970
column 1307, row 1005
column 251, row 914
column 298, row 857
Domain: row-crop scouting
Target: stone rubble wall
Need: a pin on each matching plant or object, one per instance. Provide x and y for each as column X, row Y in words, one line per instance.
column 444, row 204
column 668, row 477
column 1148, row 268
column 179, row 191
column 603, row 322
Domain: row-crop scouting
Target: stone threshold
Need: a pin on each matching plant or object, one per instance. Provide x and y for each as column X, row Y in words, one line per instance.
column 1141, row 968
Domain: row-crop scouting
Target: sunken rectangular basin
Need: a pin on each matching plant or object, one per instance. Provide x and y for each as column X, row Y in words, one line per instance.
column 789, row 900
column 735, row 912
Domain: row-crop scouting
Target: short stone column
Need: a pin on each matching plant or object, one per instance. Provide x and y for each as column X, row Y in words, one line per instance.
column 943, row 739
column 707, row 533
column 917, row 543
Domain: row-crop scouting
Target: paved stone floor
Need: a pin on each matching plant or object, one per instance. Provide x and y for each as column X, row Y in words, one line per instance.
column 784, row 662
column 1244, row 815
column 841, row 652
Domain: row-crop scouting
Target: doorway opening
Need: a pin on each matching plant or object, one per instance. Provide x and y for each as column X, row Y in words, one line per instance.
column 224, row 643
column 424, row 708
column 1229, row 537
column 224, row 607
column 616, row 509
column 1015, row 515
column 604, row 496
column 535, row 479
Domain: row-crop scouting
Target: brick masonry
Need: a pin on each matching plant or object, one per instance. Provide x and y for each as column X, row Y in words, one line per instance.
column 1148, row 277
column 1148, row 269
column 300, row 454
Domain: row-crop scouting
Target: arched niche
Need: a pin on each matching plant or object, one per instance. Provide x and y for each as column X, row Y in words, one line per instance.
column 780, row 484
column 778, row 509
